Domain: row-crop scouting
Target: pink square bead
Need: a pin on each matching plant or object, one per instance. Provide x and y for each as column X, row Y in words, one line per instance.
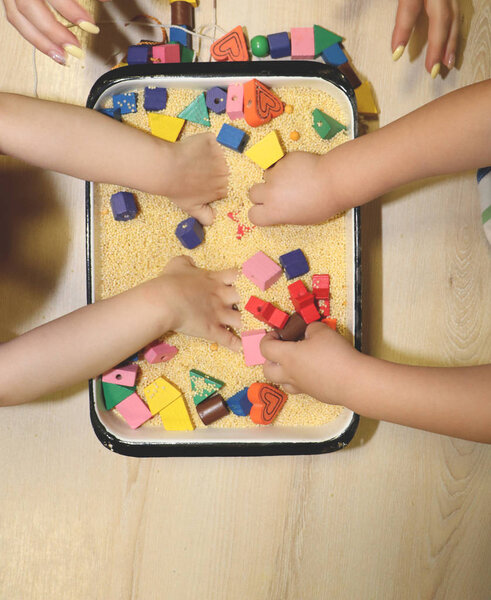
column 261, row 270
column 250, row 345
column 134, row 411
column 167, row 53
column 159, row 352
column 122, row 375
column 303, row 45
column 235, row 101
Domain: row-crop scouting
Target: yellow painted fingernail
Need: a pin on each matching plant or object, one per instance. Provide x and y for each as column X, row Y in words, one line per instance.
column 398, row 52
column 435, row 70
column 74, row 50
column 88, row 27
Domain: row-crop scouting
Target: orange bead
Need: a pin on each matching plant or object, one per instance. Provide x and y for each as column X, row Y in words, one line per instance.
column 214, row 347
column 288, row 108
column 295, row 136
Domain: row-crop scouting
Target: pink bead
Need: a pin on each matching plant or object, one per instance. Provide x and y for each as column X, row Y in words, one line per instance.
column 134, row 411
column 261, row 270
column 250, row 345
column 167, row 53
column 235, row 101
column 122, row 375
column 303, row 45
column 159, row 352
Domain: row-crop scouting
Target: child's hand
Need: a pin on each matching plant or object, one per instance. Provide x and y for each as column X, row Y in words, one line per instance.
column 199, row 302
column 443, row 31
column 293, row 193
column 34, row 20
column 321, row 365
column 200, row 174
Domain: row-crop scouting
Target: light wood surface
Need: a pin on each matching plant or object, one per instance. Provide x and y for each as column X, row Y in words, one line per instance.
column 398, row 514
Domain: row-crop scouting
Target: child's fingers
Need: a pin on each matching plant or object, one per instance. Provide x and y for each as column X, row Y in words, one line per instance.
column 73, row 12
column 231, row 318
column 453, row 36
column 407, row 13
column 226, row 338
column 440, row 17
column 229, row 295
column 272, row 348
column 315, row 328
column 274, row 372
column 204, row 214
column 262, row 215
column 291, row 389
column 227, row 276
column 257, row 192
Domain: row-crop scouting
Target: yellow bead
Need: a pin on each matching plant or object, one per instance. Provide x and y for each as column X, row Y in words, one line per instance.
column 288, row 108
column 165, row 127
column 194, row 3
column 267, row 151
column 295, row 136
column 175, row 416
column 364, row 99
column 159, row 394
column 214, row 347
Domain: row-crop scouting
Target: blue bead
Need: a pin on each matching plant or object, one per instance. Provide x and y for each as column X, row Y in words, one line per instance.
column 138, row 55
column 240, row 404
column 155, row 99
column 294, row 263
column 279, row 45
column 125, row 102
column 114, row 113
column 216, row 100
column 190, row 233
column 334, row 55
column 179, row 35
column 232, row 138
column 123, row 206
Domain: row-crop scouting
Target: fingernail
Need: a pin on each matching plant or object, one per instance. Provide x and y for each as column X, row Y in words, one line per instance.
column 57, row 57
column 435, row 70
column 88, row 27
column 398, row 52
column 451, row 61
column 74, row 50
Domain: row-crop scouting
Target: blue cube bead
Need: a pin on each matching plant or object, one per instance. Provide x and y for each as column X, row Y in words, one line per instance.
column 232, row 138
column 138, row 55
column 180, row 35
column 334, row 55
column 279, row 45
column 114, row 113
column 190, row 233
column 155, row 99
column 216, row 100
column 125, row 102
column 240, row 404
column 123, row 206
column 294, row 263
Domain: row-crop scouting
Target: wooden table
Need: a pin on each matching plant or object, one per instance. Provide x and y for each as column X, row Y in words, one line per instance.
column 398, row 514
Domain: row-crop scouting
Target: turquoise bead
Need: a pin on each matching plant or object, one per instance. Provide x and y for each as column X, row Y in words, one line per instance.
column 260, row 46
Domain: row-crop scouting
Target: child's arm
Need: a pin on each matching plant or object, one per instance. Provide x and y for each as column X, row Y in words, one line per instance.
column 94, row 338
column 86, row 144
column 453, row 401
column 447, row 135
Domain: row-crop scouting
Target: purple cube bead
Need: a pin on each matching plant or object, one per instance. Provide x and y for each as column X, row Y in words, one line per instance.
column 138, row 55
column 279, row 45
column 155, row 99
column 294, row 263
column 190, row 233
column 123, row 206
column 216, row 100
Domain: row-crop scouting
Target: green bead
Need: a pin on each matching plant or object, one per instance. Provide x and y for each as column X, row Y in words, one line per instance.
column 260, row 46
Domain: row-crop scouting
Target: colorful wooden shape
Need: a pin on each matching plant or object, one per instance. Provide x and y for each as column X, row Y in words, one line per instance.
column 182, row 13
column 320, row 286
column 203, row 385
column 122, row 375
column 134, row 411
column 159, row 394
column 267, row 151
column 348, row 71
column 123, row 206
column 278, row 318
column 259, row 308
column 175, row 416
column 267, row 401
column 232, row 138
column 158, row 352
column 114, row 394
column 326, row 126
column 180, row 35
column 324, row 307
column 230, row 47
column 294, row 263
column 166, row 53
column 261, row 270
column 239, row 403
column 197, row 112
column 138, row 55
column 297, row 289
column 190, row 233
column 260, row 46
column 212, row 409
column 250, row 345
column 193, row 3
column 260, row 103
column 365, row 99
column 165, row 127
column 216, row 100
column 330, row 322
column 187, row 54
column 334, row 55
column 303, row 46
column 114, row 113
column 155, row 99
column 294, row 330
column 235, row 101
column 125, row 102
column 323, row 38
column 279, row 45
column 309, row 313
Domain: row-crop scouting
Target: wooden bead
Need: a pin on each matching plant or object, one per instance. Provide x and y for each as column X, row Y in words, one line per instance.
column 288, row 108
column 295, row 136
column 267, row 401
column 212, row 409
column 182, row 13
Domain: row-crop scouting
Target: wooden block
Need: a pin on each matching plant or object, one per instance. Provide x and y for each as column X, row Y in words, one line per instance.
column 334, row 55
column 159, row 394
column 176, row 34
column 297, row 289
column 197, row 111
column 310, row 313
column 166, row 53
column 267, row 151
column 155, row 99
column 324, row 307
column 114, row 394
column 326, row 126
column 165, row 127
column 232, row 138
column 239, row 403
column 231, row 47
column 294, row 330
column 134, row 411
column 260, row 103
column 250, row 345
column 123, row 206
column 365, row 99
column 175, row 416
column 262, row 270
column 127, row 103
column 302, row 40
column 348, row 71
column 320, row 286
column 323, row 38
column 294, row 263
column 182, row 13
column 258, row 308
column 235, row 101
column 278, row 318
column 203, row 386
column 138, row 54
column 330, row 322
column 216, row 100
column 212, row 409
column 279, row 45
column 267, row 401
column 122, row 375
column 158, row 352
column 190, row 233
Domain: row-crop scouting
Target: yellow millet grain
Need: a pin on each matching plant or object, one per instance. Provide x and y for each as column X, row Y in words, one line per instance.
column 128, row 253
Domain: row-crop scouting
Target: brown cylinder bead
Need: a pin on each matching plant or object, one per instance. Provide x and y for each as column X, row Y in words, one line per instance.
column 294, row 330
column 182, row 13
column 347, row 70
column 212, row 409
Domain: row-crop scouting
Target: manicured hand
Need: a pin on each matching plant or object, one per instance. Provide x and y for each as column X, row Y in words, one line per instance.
column 200, row 176
column 321, row 365
column 293, row 192
column 34, row 20
column 199, row 302
column 443, row 31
